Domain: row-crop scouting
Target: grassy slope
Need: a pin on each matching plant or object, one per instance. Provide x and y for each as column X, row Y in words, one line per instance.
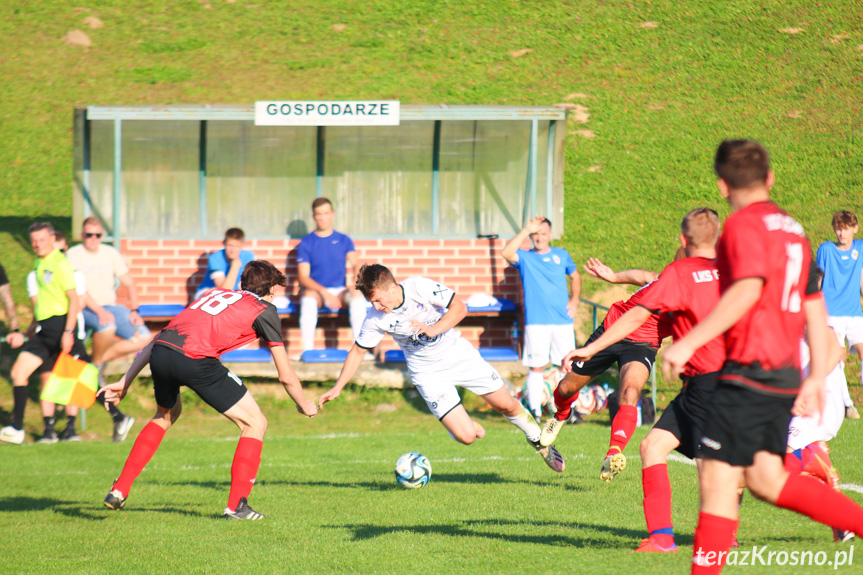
column 660, row 98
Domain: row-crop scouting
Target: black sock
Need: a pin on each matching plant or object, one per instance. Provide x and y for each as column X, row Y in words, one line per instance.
column 20, row 394
column 116, row 414
column 49, row 424
column 70, row 422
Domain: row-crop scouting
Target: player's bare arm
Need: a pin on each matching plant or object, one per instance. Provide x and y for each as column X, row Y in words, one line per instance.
column 288, row 378
column 510, row 250
column 633, row 277
column 456, row 312
column 810, row 400
column 304, row 277
column 734, row 303
column 115, row 392
column 351, row 271
column 625, row 325
column 9, row 306
column 352, row 364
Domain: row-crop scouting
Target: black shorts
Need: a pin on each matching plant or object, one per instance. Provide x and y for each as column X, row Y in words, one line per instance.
column 46, row 343
column 741, row 422
column 622, row 352
column 207, row 377
column 684, row 418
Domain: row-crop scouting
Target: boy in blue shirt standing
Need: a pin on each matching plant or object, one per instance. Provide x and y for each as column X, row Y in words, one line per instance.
column 325, row 260
column 549, row 308
column 842, row 263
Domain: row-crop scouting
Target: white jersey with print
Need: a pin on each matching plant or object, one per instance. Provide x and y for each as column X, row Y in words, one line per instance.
column 805, row 430
column 425, row 301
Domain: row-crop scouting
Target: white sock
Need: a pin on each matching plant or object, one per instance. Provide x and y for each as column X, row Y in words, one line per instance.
column 525, row 422
column 535, row 386
column 846, row 397
column 308, row 321
column 357, row 309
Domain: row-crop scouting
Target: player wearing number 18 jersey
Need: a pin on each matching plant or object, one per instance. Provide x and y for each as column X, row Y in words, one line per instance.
column 763, row 258
column 187, row 353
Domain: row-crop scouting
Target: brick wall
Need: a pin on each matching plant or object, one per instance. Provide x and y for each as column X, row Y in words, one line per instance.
column 169, row 271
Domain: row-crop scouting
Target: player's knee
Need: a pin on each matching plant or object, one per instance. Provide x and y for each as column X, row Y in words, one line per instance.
column 647, row 447
column 464, row 436
column 629, row 395
column 568, row 386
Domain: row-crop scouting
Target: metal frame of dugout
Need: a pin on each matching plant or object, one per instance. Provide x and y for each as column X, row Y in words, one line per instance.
column 545, row 127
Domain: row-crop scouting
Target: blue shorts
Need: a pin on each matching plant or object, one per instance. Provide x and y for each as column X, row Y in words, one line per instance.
column 122, row 323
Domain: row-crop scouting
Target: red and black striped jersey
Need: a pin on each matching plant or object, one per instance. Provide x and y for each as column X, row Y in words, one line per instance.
column 221, row 321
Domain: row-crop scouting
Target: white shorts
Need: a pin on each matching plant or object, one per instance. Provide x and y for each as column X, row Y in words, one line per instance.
column 463, row 367
column 544, row 344
column 805, row 430
column 847, row 327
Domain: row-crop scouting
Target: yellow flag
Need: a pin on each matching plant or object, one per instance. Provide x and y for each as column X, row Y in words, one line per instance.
column 72, row 382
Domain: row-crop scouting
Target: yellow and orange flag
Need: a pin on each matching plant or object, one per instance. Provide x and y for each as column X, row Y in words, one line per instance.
column 72, row 382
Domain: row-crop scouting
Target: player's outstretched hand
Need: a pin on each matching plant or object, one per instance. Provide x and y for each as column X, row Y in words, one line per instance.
column 580, row 354
column 566, row 362
column 598, row 269
column 328, row 395
column 307, row 408
column 810, row 400
column 674, row 360
column 113, row 392
column 15, row 340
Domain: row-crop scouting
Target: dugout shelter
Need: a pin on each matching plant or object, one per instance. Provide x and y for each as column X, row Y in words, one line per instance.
column 437, row 195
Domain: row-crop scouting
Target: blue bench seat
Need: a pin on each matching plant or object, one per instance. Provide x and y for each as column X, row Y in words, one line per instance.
column 260, row 355
column 487, row 353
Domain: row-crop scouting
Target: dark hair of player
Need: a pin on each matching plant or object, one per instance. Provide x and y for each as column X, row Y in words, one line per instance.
column 259, row 276
column 741, row 163
column 39, row 226
column 321, row 202
column 844, row 219
column 700, row 227
column 59, row 236
column 235, row 234
column 373, row 277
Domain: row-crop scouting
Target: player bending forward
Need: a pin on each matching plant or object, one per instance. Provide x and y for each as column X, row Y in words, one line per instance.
column 688, row 289
column 420, row 314
column 634, row 356
column 187, row 353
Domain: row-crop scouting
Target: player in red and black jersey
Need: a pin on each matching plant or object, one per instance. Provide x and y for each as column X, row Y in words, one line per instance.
column 634, row 356
column 687, row 289
column 187, row 353
column 763, row 258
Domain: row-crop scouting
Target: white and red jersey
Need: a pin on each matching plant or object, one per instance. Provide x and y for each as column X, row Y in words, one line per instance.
column 425, row 301
column 653, row 331
column 688, row 290
column 762, row 348
column 221, row 321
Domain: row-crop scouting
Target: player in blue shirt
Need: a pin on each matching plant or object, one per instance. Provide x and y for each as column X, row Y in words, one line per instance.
column 225, row 267
column 549, row 307
column 325, row 259
column 842, row 263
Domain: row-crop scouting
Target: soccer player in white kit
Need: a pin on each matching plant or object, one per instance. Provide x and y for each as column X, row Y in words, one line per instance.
column 420, row 314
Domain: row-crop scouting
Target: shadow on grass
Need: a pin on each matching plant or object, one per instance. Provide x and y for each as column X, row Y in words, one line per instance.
column 457, row 478
column 91, row 511
column 628, row 537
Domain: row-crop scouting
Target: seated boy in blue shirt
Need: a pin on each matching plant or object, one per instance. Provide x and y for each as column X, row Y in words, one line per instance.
column 225, row 267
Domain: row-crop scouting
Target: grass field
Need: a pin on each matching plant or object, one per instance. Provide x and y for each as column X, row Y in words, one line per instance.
column 333, row 505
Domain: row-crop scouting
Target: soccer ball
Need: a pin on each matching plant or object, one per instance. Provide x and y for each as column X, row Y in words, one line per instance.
column 413, row 470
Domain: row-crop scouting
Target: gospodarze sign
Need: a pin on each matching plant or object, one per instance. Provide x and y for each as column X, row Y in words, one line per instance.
column 308, row 113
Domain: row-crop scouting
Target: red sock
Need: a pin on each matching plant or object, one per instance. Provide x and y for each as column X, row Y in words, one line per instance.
column 713, row 538
column 564, row 404
column 247, row 460
column 145, row 446
column 657, row 504
column 816, row 500
column 622, row 428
